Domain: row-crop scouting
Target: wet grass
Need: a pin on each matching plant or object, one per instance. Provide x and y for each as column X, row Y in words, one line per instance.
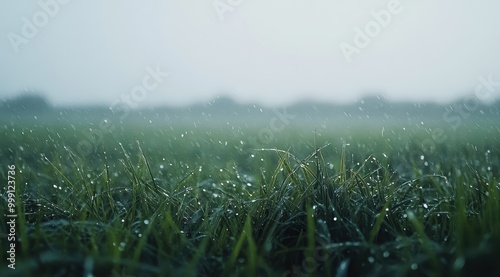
column 179, row 202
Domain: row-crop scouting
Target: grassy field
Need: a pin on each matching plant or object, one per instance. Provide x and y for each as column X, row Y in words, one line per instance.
column 153, row 200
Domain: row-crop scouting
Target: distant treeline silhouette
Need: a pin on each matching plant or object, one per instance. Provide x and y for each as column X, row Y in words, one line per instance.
column 369, row 107
column 29, row 103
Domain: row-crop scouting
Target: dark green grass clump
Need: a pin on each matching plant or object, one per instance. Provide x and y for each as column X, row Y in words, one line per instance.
column 357, row 210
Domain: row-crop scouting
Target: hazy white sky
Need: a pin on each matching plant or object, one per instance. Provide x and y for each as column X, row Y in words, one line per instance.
column 272, row 51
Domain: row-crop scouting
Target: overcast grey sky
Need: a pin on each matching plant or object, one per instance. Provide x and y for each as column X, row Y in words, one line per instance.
column 270, row 52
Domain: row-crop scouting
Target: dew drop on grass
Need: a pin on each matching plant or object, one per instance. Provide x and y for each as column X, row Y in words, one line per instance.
column 371, row 259
column 146, row 222
column 386, row 254
column 426, row 206
column 335, row 219
column 414, row 266
column 459, row 263
column 122, row 246
column 422, row 157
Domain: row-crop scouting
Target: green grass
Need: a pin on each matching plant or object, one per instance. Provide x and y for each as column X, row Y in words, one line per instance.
column 201, row 202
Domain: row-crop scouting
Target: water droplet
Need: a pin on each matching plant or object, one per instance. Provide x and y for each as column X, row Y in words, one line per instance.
column 414, row 266
column 425, row 206
column 371, row 259
column 422, row 157
column 146, row 222
column 122, row 246
column 459, row 263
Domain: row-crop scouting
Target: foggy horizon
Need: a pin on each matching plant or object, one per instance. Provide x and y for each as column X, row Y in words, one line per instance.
column 233, row 101
column 277, row 53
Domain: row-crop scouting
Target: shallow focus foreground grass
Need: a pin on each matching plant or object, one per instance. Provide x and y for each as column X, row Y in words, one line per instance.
column 358, row 210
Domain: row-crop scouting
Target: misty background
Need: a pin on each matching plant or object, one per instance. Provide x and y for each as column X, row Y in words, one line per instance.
column 265, row 52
